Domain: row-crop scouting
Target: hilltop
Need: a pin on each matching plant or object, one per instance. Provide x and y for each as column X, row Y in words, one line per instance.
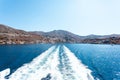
column 9, row 35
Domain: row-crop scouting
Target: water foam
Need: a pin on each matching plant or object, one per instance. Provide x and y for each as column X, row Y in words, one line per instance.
column 4, row 73
column 53, row 64
column 80, row 71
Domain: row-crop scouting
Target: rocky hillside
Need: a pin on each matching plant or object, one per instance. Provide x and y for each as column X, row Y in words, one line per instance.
column 110, row 40
column 10, row 35
column 60, row 36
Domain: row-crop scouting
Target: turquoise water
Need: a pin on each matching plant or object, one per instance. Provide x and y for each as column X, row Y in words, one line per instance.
column 60, row 62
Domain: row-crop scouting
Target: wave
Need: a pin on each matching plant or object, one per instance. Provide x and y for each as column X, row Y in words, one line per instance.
column 56, row 63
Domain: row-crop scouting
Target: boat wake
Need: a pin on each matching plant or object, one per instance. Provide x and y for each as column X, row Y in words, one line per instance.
column 57, row 63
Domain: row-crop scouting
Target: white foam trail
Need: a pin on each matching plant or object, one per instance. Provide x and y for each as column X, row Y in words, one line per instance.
column 79, row 71
column 40, row 67
column 4, row 73
column 49, row 62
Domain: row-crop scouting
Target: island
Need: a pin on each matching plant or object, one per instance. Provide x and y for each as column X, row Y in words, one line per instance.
column 9, row 35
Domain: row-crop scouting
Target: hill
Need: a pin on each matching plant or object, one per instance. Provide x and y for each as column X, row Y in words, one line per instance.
column 9, row 35
column 60, row 36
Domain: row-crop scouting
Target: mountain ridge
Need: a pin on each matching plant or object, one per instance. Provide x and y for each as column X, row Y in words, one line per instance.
column 61, row 35
column 9, row 35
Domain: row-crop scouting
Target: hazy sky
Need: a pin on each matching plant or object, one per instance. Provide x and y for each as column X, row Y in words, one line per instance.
column 82, row 17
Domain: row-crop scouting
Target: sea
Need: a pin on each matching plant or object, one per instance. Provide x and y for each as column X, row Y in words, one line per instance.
column 60, row 62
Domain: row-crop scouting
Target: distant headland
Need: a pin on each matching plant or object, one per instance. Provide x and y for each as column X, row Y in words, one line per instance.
column 9, row 35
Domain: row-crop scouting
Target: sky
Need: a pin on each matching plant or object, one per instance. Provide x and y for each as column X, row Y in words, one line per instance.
column 82, row 17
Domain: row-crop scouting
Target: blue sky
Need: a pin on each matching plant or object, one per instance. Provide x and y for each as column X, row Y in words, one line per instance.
column 82, row 17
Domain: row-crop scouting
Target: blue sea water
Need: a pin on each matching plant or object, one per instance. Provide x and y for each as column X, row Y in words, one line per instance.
column 14, row 56
column 60, row 62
